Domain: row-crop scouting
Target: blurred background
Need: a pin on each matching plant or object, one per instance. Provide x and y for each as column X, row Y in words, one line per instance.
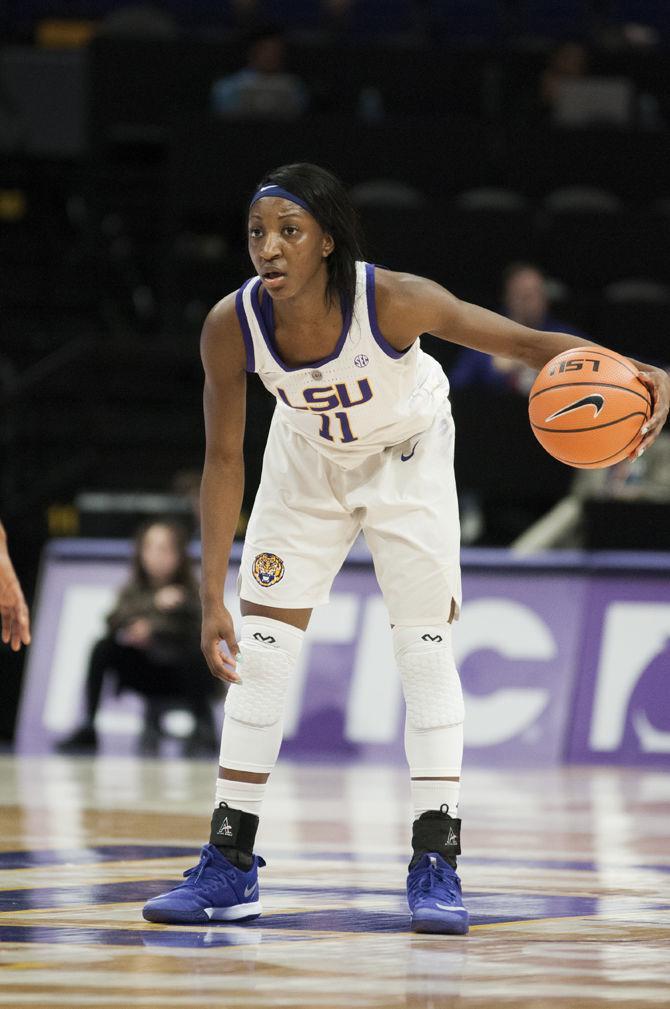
column 515, row 151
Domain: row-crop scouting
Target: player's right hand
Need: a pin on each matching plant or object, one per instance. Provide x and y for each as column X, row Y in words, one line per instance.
column 15, row 617
column 218, row 643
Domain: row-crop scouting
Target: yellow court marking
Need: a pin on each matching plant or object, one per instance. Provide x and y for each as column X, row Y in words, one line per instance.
column 26, row 965
column 532, row 921
column 133, row 909
column 597, row 916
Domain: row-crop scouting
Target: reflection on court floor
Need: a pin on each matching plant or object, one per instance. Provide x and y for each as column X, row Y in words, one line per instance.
column 566, row 874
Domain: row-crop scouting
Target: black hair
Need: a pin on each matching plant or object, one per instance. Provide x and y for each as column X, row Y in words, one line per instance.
column 330, row 205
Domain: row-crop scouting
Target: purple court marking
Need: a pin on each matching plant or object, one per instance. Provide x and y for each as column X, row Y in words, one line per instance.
column 483, row 911
column 39, row 898
column 89, row 856
column 484, row 906
column 76, row 936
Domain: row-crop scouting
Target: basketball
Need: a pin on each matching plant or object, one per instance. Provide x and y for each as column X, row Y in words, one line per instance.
column 587, row 408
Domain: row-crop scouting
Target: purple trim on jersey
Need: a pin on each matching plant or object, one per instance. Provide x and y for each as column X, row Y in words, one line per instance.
column 246, row 332
column 265, row 318
column 272, row 190
column 372, row 315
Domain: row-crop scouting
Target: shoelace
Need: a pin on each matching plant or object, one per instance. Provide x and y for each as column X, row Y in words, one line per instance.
column 437, row 881
column 193, row 875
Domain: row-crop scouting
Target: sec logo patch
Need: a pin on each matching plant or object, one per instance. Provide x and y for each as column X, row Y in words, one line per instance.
column 267, row 569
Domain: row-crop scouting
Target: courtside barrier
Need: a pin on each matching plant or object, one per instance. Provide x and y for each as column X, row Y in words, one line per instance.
column 564, row 657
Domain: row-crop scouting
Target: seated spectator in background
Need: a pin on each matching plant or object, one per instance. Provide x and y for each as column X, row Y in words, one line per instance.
column 262, row 89
column 568, row 62
column 571, row 94
column 152, row 645
column 525, row 300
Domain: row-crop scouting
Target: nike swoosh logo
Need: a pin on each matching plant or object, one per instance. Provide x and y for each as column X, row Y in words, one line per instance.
column 449, row 907
column 248, row 890
column 404, row 458
column 596, row 401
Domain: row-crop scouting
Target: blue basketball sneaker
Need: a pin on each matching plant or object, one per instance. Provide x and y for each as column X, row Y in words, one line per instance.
column 434, row 897
column 221, row 887
column 433, row 886
column 214, row 890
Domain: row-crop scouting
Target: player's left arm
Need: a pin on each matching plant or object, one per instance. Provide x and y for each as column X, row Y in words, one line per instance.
column 408, row 306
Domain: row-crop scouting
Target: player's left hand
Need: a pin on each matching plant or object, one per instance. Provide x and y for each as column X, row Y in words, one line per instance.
column 658, row 383
column 15, row 617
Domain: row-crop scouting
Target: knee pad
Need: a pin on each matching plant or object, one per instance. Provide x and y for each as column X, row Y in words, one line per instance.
column 430, row 680
column 269, row 649
column 253, row 725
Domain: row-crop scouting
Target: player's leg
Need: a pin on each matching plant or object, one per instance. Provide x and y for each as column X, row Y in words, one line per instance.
column 225, row 883
column 272, row 636
column 434, row 749
column 412, row 529
column 297, row 538
column 252, row 734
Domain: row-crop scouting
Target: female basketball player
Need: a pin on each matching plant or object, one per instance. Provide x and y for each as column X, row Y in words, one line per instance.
column 361, row 439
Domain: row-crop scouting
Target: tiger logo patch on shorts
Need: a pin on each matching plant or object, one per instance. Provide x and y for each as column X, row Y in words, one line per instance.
column 267, row 569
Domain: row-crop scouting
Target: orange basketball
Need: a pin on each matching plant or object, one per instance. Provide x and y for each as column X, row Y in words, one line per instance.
column 587, row 407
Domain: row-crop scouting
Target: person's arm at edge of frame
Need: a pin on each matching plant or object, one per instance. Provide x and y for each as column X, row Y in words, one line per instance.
column 408, row 306
column 15, row 615
column 222, row 486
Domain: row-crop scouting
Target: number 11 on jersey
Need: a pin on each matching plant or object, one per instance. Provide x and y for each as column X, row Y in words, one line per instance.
column 345, row 429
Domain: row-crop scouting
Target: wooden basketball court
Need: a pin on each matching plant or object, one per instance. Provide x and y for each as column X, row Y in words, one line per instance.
column 566, row 875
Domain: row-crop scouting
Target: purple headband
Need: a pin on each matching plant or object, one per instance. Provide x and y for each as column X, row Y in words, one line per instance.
column 272, row 190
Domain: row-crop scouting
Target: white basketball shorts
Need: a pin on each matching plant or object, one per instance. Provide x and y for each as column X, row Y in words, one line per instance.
column 308, row 511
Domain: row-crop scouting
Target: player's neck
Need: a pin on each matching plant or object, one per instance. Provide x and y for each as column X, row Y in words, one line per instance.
column 308, row 309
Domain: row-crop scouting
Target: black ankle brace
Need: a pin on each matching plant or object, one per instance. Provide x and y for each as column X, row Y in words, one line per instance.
column 233, row 832
column 436, row 831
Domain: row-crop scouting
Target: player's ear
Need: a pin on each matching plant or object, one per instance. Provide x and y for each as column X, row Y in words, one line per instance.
column 327, row 245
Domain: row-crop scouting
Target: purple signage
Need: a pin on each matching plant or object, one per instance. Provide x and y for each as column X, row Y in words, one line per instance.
column 559, row 660
column 516, row 646
column 622, row 702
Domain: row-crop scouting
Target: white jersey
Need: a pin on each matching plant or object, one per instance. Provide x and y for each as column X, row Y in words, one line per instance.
column 358, row 401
